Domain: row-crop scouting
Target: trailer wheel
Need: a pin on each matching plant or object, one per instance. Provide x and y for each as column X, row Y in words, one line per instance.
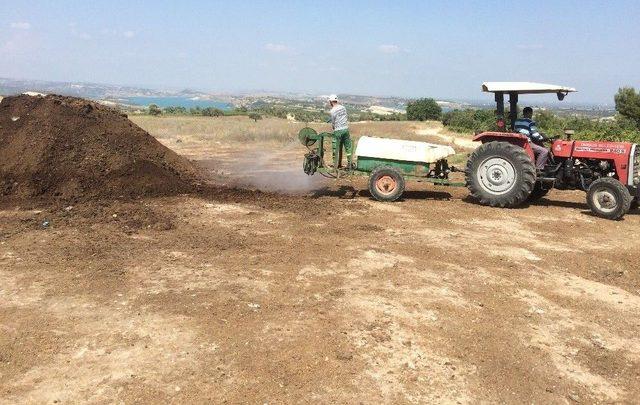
column 500, row 174
column 386, row 183
column 608, row 198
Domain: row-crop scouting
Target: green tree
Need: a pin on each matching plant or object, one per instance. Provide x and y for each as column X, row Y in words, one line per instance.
column 303, row 116
column 628, row 104
column 279, row 112
column 423, row 109
column 174, row 110
column 154, row 110
column 470, row 120
column 255, row 116
column 212, row 112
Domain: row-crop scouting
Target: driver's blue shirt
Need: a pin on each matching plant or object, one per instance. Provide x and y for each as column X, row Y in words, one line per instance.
column 526, row 126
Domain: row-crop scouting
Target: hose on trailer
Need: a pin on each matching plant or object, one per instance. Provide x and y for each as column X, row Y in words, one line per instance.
column 328, row 175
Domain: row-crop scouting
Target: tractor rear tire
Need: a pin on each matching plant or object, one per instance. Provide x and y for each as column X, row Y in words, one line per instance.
column 386, row 183
column 500, row 174
column 608, row 198
column 537, row 193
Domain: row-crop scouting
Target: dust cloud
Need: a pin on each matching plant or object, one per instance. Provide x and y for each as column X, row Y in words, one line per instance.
column 266, row 170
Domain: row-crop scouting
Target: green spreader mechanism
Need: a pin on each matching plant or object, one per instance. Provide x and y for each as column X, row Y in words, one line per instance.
column 314, row 159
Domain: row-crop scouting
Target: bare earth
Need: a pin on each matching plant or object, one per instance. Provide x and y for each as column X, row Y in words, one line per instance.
column 318, row 295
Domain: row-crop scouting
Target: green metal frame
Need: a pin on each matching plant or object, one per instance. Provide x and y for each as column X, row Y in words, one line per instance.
column 343, row 173
column 369, row 164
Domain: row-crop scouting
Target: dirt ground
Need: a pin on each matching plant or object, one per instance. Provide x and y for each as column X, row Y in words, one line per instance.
column 319, row 294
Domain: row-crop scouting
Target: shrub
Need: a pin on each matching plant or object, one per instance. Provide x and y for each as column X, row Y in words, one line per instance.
column 177, row 110
column 255, row 116
column 212, row 112
column 620, row 129
column 628, row 104
column 423, row 109
column 303, row 116
column 154, row 110
column 470, row 120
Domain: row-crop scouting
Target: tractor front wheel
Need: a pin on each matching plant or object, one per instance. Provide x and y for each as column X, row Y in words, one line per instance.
column 386, row 183
column 500, row 174
column 608, row 198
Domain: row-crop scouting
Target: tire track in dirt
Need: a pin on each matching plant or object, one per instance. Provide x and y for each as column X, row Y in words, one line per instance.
column 480, row 239
column 322, row 299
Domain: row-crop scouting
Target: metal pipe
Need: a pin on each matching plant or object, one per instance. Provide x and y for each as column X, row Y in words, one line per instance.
column 513, row 109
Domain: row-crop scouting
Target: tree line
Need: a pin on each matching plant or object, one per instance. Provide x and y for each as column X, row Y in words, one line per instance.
column 155, row 110
column 624, row 126
column 257, row 113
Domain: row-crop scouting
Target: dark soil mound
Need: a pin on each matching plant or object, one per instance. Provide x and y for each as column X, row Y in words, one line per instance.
column 71, row 148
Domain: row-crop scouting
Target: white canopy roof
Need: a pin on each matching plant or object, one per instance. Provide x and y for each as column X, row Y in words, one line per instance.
column 524, row 87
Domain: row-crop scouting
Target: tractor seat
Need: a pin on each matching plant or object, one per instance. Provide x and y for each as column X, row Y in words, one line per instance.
column 398, row 149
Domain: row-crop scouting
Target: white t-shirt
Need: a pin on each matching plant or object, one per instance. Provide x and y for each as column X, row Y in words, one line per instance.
column 339, row 117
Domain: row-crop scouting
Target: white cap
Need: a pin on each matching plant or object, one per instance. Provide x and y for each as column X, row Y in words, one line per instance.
column 333, row 97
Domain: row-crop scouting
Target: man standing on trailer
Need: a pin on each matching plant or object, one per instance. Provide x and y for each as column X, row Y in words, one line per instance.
column 339, row 122
column 527, row 126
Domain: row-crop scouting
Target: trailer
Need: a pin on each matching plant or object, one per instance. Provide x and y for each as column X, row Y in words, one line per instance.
column 388, row 163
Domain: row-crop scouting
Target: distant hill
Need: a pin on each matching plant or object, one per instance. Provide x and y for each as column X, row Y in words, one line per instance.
column 114, row 94
column 77, row 89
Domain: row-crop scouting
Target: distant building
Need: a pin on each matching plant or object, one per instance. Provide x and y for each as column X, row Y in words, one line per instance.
column 607, row 119
column 33, row 94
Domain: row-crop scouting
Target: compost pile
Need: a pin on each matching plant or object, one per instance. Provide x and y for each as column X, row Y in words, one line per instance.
column 71, row 148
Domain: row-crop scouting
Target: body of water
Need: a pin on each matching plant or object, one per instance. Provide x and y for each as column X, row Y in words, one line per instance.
column 185, row 102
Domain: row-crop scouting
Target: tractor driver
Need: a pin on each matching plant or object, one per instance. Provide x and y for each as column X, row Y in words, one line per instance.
column 527, row 126
column 341, row 136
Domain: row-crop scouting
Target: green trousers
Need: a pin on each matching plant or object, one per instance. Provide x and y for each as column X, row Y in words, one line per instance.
column 341, row 138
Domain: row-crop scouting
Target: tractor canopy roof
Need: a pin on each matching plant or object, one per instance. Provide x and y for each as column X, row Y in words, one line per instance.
column 524, row 88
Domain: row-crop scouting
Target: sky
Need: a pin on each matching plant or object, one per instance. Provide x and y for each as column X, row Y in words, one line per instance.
column 442, row 49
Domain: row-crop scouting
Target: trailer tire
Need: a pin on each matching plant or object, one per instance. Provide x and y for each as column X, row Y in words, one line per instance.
column 608, row 198
column 500, row 174
column 386, row 183
column 537, row 193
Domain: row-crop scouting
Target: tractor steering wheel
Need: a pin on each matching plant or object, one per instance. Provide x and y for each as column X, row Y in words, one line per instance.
column 548, row 139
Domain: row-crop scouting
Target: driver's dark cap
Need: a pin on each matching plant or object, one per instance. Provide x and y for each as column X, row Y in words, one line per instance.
column 527, row 110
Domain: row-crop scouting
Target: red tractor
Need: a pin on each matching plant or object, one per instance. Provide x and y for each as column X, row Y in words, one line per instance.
column 501, row 172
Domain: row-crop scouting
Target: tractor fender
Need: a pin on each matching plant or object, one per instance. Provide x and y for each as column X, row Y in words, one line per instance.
column 509, row 137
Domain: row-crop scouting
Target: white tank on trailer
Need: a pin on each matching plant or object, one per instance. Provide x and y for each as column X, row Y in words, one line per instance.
column 398, row 149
